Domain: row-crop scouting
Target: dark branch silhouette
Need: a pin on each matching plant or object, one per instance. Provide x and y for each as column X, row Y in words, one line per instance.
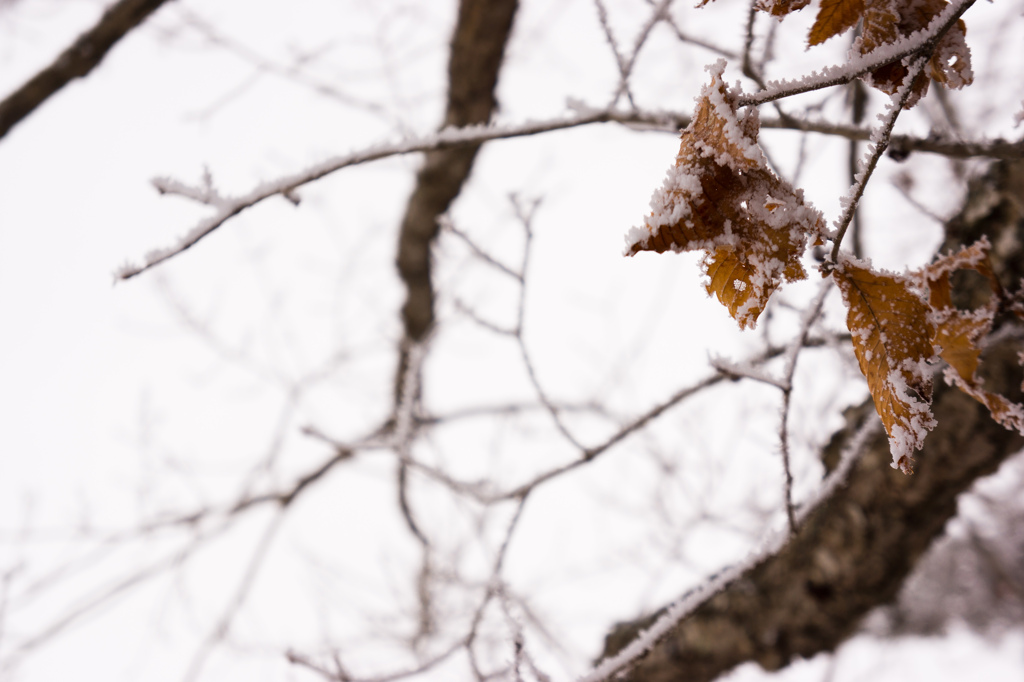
column 77, row 61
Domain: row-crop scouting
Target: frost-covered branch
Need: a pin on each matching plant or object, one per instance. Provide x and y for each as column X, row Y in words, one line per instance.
column 744, row 370
column 286, row 186
column 922, row 41
column 681, row 608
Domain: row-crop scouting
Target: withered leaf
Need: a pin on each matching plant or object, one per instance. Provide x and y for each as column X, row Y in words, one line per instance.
column 892, row 333
column 958, row 332
column 879, row 27
column 721, row 197
column 951, row 62
column 835, row 17
column 886, row 21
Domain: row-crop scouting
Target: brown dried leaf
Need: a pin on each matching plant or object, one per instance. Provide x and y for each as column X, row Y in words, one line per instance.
column 892, row 340
column 958, row 332
column 886, row 21
column 780, row 8
column 951, row 62
column 956, row 338
column 722, row 198
column 880, row 22
column 835, row 17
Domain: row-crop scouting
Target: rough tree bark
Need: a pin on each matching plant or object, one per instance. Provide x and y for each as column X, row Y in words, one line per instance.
column 855, row 551
column 77, row 61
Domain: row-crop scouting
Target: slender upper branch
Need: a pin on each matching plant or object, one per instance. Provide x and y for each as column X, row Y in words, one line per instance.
column 922, row 41
column 286, row 186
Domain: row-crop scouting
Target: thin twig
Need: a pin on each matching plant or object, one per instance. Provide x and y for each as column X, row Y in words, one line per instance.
column 880, row 141
column 220, row 630
column 659, row 13
column 294, row 73
column 495, row 585
column 693, row 40
column 793, row 352
column 620, row 61
column 525, row 218
column 748, row 43
column 449, row 226
column 428, row 664
column 106, row 596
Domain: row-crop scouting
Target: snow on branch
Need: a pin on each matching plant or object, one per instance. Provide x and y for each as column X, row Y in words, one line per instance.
column 693, row 599
column 922, row 41
column 227, row 207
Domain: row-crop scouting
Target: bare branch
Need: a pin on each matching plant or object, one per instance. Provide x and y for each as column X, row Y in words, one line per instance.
column 76, row 61
column 220, row 630
column 793, row 352
column 660, row 12
column 293, row 72
column 449, row 226
column 103, row 597
column 685, row 37
column 620, row 61
column 339, row 675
